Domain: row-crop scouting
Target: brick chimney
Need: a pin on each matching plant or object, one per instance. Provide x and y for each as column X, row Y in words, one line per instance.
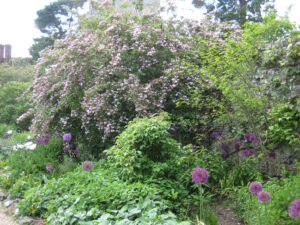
column 1, row 53
column 7, row 53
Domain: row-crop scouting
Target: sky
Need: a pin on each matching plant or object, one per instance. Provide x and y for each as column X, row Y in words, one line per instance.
column 17, row 20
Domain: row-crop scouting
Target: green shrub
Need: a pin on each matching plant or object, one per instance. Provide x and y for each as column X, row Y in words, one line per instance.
column 11, row 108
column 284, row 124
column 282, row 193
column 143, row 147
column 34, row 161
column 98, row 195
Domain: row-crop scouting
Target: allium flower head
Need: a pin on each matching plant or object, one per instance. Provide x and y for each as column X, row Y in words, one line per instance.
column 49, row 167
column 87, row 166
column 72, row 146
column 67, row 137
column 215, row 134
column 251, row 138
column 247, row 136
column 66, row 149
column 77, row 152
column 263, row 196
column 245, row 152
column 252, row 152
column 223, row 145
column 194, row 148
column 294, row 208
column 46, row 138
column 255, row 187
column 223, row 153
column 39, row 141
column 200, row 175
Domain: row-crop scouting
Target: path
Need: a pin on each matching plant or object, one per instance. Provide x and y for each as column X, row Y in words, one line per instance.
column 4, row 218
column 226, row 215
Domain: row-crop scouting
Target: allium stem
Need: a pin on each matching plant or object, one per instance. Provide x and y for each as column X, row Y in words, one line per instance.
column 200, row 202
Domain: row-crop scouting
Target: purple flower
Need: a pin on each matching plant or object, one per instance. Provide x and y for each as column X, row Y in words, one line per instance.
column 87, row 166
column 67, row 137
column 252, row 152
column 200, row 175
column 39, row 141
column 247, row 136
column 40, row 222
column 236, row 140
column 272, row 155
column 236, row 146
column 77, row 152
column 251, row 138
column 255, row 187
column 245, row 152
column 223, row 145
column 263, row 196
column 223, row 153
column 72, row 146
column 66, row 149
column 46, row 138
column 223, row 137
column 194, row 148
column 294, row 208
column 172, row 129
column 215, row 134
column 49, row 167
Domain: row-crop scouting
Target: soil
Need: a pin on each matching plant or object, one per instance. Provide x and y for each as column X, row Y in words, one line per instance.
column 5, row 219
column 226, row 215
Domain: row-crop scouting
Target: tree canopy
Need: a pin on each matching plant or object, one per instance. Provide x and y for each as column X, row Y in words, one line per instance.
column 238, row 10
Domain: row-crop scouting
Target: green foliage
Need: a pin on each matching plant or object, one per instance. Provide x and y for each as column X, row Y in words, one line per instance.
column 38, row 45
column 7, row 144
column 284, row 125
column 11, row 108
column 282, row 193
column 142, row 145
column 97, row 196
column 240, row 11
column 34, row 161
column 16, row 71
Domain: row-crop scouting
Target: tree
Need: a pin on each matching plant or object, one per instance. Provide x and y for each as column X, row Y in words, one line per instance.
column 54, row 21
column 238, row 10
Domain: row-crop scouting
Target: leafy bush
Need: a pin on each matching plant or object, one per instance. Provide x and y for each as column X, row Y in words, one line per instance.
column 99, row 195
column 143, row 145
column 282, row 193
column 34, row 161
column 284, row 124
column 11, row 108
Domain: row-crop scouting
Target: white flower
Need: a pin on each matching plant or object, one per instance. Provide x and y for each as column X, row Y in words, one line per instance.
column 9, row 131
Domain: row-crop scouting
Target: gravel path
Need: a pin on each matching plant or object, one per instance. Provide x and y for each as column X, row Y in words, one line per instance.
column 5, row 219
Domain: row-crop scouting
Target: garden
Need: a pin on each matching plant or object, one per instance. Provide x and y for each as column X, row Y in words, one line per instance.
column 144, row 120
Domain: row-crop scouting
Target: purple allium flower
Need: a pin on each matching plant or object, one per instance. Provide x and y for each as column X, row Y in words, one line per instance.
column 272, row 155
column 49, row 167
column 251, row 138
column 77, row 152
column 46, row 138
column 294, row 208
column 223, row 137
column 200, row 175
column 172, row 129
column 72, row 146
column 247, row 136
column 236, row 146
column 87, row 166
column 263, row 196
column 252, row 152
column 223, row 153
column 236, row 140
column 255, row 187
column 66, row 149
column 39, row 141
column 246, row 152
column 67, row 137
column 194, row 148
column 223, row 145
column 215, row 134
